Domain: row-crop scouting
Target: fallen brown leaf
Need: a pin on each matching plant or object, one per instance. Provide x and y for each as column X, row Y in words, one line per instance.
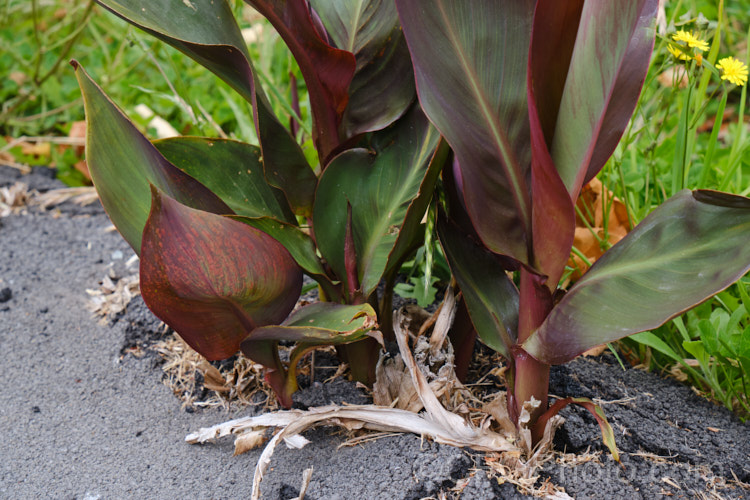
column 78, row 131
column 596, row 351
column 592, row 203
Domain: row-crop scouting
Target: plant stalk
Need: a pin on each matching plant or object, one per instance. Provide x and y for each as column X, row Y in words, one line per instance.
column 530, row 377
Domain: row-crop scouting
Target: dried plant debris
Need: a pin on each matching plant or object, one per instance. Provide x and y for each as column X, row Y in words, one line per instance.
column 79, row 195
column 115, row 291
column 14, row 198
column 199, row 383
column 457, row 428
column 394, row 386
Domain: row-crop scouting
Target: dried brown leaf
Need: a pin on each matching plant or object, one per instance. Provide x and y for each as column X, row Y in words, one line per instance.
column 592, row 204
column 36, row 148
column 249, row 441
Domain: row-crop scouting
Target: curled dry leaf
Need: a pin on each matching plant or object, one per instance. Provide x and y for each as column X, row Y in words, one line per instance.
column 213, row 379
column 113, row 295
column 498, row 410
column 393, row 386
column 435, row 358
column 595, row 351
column 444, row 322
column 248, row 441
column 306, row 477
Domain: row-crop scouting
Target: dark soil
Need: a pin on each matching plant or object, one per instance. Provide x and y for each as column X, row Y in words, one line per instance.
column 80, row 419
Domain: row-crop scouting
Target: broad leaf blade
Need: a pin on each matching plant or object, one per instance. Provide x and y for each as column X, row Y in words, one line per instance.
column 328, row 71
column 470, row 60
column 553, row 38
column 299, row 244
column 320, row 323
column 232, row 170
column 123, row 163
column 411, row 233
column 688, row 249
column 380, row 188
column 206, row 31
column 552, row 41
column 213, row 279
column 383, row 85
column 607, row 70
column 491, row 297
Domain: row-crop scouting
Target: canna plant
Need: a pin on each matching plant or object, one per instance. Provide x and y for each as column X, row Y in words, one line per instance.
column 530, row 97
column 226, row 229
column 533, row 97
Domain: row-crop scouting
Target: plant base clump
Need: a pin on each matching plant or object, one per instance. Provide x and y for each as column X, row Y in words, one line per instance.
column 518, row 454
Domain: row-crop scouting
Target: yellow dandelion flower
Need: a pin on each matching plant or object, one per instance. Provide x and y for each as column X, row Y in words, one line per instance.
column 691, row 40
column 675, row 51
column 733, row 70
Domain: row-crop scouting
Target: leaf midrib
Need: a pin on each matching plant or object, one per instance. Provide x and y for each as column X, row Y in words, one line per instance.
column 653, row 263
column 509, row 162
column 398, row 200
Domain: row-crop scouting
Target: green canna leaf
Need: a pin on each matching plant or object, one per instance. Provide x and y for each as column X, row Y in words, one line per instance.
column 206, row 31
column 381, row 189
column 123, row 163
column 232, row 170
column 320, row 323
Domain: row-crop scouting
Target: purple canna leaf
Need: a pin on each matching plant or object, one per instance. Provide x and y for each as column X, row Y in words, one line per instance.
column 577, row 119
column 299, row 245
column 213, row 279
column 328, row 71
column 607, row 69
column 691, row 247
column 470, row 59
column 552, row 40
column 383, row 85
column 490, row 296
